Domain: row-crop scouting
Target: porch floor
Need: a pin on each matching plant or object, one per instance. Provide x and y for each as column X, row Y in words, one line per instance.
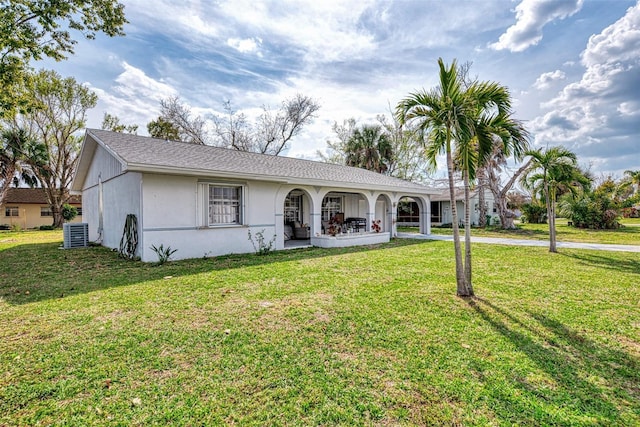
column 297, row 244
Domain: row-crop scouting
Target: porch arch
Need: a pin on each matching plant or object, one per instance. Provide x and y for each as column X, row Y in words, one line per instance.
column 285, row 214
column 384, row 212
column 421, row 212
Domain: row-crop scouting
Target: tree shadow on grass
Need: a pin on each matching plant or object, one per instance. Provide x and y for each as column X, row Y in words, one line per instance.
column 576, row 380
column 36, row 272
column 600, row 260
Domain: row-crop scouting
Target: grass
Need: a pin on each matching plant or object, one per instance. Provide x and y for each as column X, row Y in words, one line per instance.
column 629, row 234
column 365, row 336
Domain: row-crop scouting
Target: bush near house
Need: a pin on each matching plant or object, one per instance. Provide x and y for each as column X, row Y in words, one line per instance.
column 592, row 210
column 534, row 213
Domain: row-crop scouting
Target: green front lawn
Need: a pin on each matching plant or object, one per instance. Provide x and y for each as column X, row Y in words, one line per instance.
column 318, row 337
column 629, row 234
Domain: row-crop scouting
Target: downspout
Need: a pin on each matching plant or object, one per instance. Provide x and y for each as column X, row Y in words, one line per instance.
column 100, row 211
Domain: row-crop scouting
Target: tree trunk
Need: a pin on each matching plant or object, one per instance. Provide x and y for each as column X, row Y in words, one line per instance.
column 7, row 179
column 482, row 204
column 505, row 214
column 467, row 236
column 551, row 214
column 57, row 197
column 460, row 278
column 500, row 195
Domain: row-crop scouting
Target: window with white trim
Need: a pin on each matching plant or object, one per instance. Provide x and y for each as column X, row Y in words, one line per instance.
column 225, row 205
column 331, row 205
column 11, row 211
column 46, row 211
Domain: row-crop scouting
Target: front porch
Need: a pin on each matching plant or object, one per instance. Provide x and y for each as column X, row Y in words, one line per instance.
column 332, row 218
column 350, row 239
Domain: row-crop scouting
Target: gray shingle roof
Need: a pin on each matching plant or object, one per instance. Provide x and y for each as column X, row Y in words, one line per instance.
column 145, row 153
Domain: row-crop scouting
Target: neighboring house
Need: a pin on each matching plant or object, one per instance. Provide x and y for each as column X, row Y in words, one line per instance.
column 441, row 206
column 204, row 201
column 29, row 208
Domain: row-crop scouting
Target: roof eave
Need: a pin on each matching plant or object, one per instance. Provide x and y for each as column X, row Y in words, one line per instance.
column 170, row 170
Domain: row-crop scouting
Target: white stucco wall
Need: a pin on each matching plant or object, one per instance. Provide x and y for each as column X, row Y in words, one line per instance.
column 121, row 196
column 170, row 208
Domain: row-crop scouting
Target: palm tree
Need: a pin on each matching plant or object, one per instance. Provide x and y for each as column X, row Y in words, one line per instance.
column 552, row 170
column 634, row 179
column 494, row 130
column 369, row 148
column 458, row 118
column 15, row 147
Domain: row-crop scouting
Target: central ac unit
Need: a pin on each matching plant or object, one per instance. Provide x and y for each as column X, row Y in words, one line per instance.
column 76, row 235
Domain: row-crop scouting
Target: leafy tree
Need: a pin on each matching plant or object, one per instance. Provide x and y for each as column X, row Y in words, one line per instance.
column 160, row 128
column 455, row 116
column 633, row 177
column 369, row 148
column 16, row 147
column 112, row 123
column 35, row 29
column 408, row 159
column 553, row 170
column 336, row 150
column 59, row 112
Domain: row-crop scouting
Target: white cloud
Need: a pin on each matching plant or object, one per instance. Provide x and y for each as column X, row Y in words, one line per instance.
column 545, row 79
column 531, row 17
column 134, row 98
column 250, row 45
column 601, row 110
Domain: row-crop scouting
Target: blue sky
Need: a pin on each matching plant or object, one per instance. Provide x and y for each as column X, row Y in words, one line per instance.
column 573, row 66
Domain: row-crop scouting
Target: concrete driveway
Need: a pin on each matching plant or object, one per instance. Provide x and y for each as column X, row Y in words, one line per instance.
column 524, row 242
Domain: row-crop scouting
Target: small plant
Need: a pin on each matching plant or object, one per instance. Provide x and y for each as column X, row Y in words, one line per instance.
column 375, row 226
column 69, row 212
column 16, row 227
column 260, row 245
column 164, row 254
column 333, row 228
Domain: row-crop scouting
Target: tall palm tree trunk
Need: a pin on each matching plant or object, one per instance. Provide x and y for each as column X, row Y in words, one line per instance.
column 460, row 278
column 551, row 217
column 481, row 174
column 467, row 236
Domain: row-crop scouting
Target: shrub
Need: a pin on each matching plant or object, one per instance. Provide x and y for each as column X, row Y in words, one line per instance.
column 534, row 213
column 595, row 211
column 69, row 212
column 46, row 227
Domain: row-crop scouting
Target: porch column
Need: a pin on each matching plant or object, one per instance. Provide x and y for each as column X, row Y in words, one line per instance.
column 371, row 210
column 315, row 216
column 426, row 222
column 394, row 218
